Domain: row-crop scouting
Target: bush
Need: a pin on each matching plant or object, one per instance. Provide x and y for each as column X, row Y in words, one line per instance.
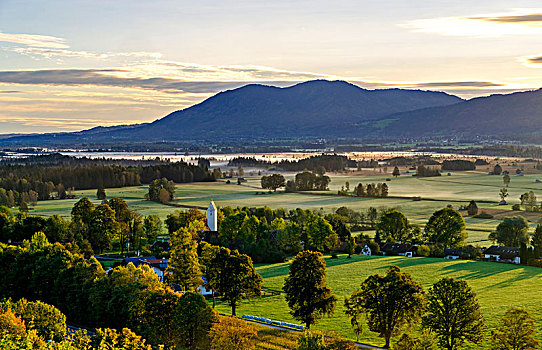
column 423, row 250
column 516, row 207
column 437, row 251
column 312, row 341
column 357, row 249
column 535, row 262
column 231, row 333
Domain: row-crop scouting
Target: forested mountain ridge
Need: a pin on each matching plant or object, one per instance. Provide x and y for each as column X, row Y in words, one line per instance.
column 319, row 108
column 513, row 115
column 322, row 109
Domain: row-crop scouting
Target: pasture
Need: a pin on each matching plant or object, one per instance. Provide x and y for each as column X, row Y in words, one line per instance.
column 498, row 287
column 436, row 193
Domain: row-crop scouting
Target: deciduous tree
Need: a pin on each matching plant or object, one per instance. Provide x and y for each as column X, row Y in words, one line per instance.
column 394, row 227
column 233, row 276
column 447, row 227
column 194, row 318
column 516, row 332
column 511, row 232
column 390, row 302
column 184, row 263
column 453, row 314
column 321, row 236
column 307, row 294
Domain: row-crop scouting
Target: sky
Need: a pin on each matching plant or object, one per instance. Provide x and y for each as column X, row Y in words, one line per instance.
column 74, row 64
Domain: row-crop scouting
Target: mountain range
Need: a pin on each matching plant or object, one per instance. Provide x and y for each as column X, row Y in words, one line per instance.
column 322, row 109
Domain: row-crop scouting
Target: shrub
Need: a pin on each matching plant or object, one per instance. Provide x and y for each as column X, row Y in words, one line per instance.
column 424, row 250
column 231, row 333
column 516, row 207
column 357, row 249
column 437, row 251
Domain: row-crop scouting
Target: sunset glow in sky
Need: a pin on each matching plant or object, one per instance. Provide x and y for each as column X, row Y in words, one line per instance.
column 69, row 65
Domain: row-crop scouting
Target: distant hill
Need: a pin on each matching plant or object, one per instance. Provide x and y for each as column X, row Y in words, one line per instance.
column 516, row 115
column 322, row 109
column 319, row 108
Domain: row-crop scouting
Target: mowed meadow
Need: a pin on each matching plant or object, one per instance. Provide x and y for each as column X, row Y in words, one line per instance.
column 436, row 193
column 498, row 287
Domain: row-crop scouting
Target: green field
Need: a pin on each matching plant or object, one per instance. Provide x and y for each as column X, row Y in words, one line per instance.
column 460, row 186
column 498, row 286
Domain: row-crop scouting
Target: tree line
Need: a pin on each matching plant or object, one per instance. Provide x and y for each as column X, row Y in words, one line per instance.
column 46, row 180
column 329, row 162
column 92, row 228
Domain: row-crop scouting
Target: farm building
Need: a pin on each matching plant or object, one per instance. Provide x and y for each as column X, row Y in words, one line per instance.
column 403, row 249
column 503, row 254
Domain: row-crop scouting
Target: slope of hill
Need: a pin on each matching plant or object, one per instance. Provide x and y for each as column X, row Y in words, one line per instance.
column 319, row 108
column 514, row 115
column 315, row 108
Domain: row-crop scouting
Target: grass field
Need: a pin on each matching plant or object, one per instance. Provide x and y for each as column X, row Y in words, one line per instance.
column 460, row 186
column 498, row 286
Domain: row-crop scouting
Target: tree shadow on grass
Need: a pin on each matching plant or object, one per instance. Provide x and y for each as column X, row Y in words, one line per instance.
column 482, row 269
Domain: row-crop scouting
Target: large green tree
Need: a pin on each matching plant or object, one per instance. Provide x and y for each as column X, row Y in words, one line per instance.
column 453, row 314
column 307, row 294
column 152, row 227
column 446, row 226
column 394, row 227
column 273, row 181
column 103, row 227
column 195, row 318
column 233, row 276
column 511, row 232
column 516, row 332
column 320, row 234
column 390, row 302
column 184, row 263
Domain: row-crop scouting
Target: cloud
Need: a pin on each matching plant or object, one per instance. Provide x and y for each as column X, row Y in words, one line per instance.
column 117, row 78
column 531, row 61
column 49, row 53
column 459, row 84
column 34, row 40
column 129, row 78
column 62, row 123
column 524, row 18
column 515, row 22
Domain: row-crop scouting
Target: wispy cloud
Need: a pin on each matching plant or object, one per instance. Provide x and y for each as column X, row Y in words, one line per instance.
column 531, row 61
column 116, row 78
column 459, row 84
column 62, row 123
column 49, row 53
column 34, row 40
column 515, row 22
column 134, row 79
column 528, row 18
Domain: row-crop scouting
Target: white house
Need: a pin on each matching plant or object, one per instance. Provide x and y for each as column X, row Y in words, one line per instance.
column 212, row 220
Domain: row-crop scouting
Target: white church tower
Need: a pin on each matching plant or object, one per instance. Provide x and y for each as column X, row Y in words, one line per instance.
column 212, row 217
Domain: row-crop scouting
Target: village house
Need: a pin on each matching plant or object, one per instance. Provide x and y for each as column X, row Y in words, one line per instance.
column 402, row 249
column 453, row 253
column 503, row 254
